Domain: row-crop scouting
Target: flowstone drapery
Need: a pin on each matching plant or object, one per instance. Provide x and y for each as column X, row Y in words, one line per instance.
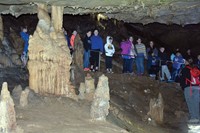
column 49, row 56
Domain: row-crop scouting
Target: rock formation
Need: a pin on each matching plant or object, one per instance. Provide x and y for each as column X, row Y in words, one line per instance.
column 137, row 11
column 156, row 111
column 81, row 91
column 49, row 56
column 89, row 84
column 78, row 51
column 100, row 103
column 7, row 111
column 24, row 97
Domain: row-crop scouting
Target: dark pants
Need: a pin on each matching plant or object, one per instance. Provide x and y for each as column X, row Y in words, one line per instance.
column 126, row 65
column 132, row 60
column 108, row 62
column 95, row 58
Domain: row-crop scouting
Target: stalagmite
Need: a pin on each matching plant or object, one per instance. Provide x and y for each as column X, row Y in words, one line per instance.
column 7, row 111
column 24, row 97
column 78, row 51
column 49, row 56
column 81, row 91
column 100, row 104
column 157, row 109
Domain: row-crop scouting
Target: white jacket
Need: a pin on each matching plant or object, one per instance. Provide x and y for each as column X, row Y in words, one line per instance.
column 109, row 47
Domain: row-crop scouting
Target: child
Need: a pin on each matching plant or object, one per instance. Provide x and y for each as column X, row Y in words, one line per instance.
column 109, row 51
column 177, row 62
column 154, row 69
column 164, row 68
column 25, row 36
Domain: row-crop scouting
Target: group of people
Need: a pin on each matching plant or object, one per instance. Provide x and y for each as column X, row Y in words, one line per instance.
column 93, row 49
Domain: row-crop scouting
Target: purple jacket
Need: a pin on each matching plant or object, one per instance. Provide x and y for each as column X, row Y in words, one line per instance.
column 126, row 47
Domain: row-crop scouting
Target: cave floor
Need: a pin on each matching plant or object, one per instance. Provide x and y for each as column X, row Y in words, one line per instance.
column 51, row 114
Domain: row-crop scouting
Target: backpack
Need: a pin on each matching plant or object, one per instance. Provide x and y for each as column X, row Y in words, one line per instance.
column 195, row 77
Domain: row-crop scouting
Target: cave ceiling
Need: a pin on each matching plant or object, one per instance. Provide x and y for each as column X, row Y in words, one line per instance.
column 136, row 11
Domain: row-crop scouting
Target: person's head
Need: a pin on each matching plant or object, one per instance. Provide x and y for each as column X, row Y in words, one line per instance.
column 178, row 54
column 130, row 39
column 188, row 51
column 24, row 29
column 151, row 44
column 110, row 39
column 162, row 49
column 89, row 33
column 64, row 31
column 198, row 57
column 74, row 32
column 139, row 40
column 96, row 32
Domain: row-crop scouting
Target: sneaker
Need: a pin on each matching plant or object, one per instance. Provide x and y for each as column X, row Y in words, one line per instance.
column 169, row 81
column 86, row 69
column 193, row 121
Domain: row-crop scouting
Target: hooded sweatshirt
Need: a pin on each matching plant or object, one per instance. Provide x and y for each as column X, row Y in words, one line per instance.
column 109, row 47
column 177, row 62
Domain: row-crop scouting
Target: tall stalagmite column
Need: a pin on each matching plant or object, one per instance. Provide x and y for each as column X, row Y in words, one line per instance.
column 49, row 56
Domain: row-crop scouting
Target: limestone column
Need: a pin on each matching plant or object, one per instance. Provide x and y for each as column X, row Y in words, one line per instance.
column 49, row 56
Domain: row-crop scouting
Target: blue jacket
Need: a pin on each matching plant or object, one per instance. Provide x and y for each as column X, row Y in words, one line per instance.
column 68, row 40
column 177, row 62
column 25, row 38
column 96, row 43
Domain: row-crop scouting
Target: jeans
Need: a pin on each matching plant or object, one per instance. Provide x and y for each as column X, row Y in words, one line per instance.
column 86, row 59
column 108, row 62
column 132, row 60
column 192, row 98
column 175, row 73
column 149, row 62
column 140, row 65
column 126, row 65
column 165, row 70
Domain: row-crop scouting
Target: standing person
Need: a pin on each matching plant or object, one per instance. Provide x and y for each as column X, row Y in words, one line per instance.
column 126, row 47
column 132, row 54
column 72, row 39
column 177, row 62
column 141, row 55
column 189, row 57
column 198, row 61
column 67, row 38
column 151, row 52
column 109, row 51
column 96, row 50
column 191, row 93
column 87, row 47
column 164, row 68
column 25, row 36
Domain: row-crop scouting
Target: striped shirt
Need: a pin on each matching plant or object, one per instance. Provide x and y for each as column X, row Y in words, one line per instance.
column 141, row 50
